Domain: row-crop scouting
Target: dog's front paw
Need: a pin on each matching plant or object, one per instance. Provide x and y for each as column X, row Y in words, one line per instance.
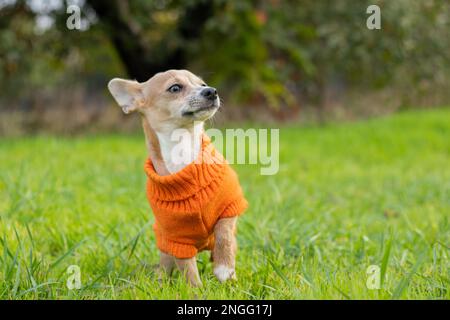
column 224, row 273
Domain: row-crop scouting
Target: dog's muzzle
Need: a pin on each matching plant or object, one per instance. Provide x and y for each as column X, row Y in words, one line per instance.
column 206, row 100
column 209, row 93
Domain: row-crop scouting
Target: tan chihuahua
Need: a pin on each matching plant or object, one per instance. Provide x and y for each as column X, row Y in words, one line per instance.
column 167, row 102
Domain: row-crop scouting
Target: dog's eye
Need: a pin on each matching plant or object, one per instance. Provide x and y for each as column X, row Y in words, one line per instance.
column 175, row 88
column 203, row 85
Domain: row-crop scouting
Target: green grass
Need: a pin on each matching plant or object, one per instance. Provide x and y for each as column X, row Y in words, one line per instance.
column 347, row 196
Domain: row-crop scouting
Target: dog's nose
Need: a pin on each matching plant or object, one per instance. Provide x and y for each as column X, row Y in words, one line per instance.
column 209, row 93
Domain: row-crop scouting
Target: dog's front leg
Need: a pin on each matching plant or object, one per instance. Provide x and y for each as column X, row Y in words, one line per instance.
column 224, row 252
column 188, row 267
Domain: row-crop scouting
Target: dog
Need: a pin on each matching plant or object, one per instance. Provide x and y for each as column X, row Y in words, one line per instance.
column 196, row 201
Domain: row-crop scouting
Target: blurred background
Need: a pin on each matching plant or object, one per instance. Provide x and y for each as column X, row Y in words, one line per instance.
column 348, row 194
column 272, row 61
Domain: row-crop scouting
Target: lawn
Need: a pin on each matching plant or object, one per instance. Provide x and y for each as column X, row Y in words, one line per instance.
column 347, row 196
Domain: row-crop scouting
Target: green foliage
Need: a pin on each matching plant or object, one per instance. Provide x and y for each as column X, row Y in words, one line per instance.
column 346, row 197
column 38, row 62
column 281, row 49
column 239, row 53
column 266, row 52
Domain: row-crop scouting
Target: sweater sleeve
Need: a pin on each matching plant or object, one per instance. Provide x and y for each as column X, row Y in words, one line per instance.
column 235, row 208
column 235, row 203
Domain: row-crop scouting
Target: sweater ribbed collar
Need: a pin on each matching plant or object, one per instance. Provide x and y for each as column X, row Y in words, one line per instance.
column 200, row 177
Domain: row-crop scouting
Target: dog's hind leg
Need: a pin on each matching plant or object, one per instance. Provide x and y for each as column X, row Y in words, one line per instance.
column 188, row 267
column 224, row 252
column 166, row 265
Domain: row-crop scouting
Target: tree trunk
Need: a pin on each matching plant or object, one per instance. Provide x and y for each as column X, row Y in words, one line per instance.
column 136, row 53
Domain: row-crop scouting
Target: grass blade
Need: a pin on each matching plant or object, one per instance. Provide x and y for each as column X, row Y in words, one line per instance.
column 280, row 273
column 61, row 258
column 404, row 282
column 385, row 260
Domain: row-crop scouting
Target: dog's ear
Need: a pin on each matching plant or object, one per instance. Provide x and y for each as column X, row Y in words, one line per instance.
column 127, row 93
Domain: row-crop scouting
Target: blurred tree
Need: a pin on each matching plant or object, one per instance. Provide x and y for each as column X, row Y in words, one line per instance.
column 127, row 24
column 268, row 52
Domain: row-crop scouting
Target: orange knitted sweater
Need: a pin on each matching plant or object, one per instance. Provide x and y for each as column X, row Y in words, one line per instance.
column 187, row 204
